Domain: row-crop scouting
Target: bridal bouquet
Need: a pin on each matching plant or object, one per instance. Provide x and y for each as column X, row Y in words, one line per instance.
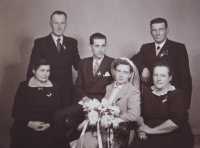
column 103, row 116
column 102, row 113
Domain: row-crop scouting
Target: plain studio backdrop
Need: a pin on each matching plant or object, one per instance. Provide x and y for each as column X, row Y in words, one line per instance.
column 124, row 22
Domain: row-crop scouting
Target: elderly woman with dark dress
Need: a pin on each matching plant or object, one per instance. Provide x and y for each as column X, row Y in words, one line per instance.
column 164, row 110
column 35, row 103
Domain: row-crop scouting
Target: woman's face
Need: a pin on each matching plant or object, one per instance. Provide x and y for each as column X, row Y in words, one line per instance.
column 161, row 77
column 122, row 73
column 42, row 73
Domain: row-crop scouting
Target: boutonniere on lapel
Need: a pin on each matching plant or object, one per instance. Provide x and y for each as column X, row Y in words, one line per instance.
column 64, row 47
column 98, row 73
column 164, row 53
column 49, row 94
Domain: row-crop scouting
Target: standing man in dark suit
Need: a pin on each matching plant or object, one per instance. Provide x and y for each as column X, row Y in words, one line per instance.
column 164, row 49
column 62, row 52
column 94, row 74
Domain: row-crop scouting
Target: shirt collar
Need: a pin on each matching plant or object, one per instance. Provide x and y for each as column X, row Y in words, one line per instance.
column 99, row 61
column 155, row 91
column 34, row 83
column 160, row 45
column 119, row 86
column 55, row 39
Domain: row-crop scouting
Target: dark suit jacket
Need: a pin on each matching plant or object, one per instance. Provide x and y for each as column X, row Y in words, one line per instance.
column 172, row 52
column 61, row 63
column 88, row 85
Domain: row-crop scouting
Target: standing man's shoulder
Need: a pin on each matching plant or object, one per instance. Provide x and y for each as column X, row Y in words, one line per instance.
column 147, row 45
column 109, row 58
column 177, row 47
column 70, row 39
column 43, row 39
column 176, row 44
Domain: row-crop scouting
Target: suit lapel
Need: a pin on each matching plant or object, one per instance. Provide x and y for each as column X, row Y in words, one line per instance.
column 101, row 70
column 121, row 93
column 90, row 69
column 65, row 47
column 152, row 52
column 51, row 47
column 165, row 48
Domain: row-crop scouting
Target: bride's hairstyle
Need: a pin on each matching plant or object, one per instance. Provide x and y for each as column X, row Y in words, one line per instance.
column 135, row 79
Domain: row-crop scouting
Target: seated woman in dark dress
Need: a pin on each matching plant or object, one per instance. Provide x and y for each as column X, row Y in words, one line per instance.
column 164, row 110
column 35, row 103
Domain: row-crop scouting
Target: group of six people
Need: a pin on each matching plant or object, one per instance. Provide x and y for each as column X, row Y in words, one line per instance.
column 48, row 97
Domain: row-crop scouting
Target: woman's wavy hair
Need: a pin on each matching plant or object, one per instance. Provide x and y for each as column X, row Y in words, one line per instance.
column 164, row 64
column 40, row 62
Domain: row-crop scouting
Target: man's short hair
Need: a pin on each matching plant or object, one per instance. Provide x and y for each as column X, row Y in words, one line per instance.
column 159, row 20
column 59, row 13
column 97, row 36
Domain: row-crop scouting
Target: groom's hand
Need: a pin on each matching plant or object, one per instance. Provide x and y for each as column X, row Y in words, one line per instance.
column 85, row 99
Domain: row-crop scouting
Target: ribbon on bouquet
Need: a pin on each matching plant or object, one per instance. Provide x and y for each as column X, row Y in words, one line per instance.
column 82, row 134
column 99, row 134
column 110, row 138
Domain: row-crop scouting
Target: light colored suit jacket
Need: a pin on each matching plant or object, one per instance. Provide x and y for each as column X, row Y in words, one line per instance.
column 128, row 100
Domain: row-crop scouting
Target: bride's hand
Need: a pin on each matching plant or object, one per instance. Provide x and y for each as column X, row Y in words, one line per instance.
column 142, row 135
column 81, row 126
column 145, row 128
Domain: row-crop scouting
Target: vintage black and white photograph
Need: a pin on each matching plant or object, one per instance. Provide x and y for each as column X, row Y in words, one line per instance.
column 99, row 74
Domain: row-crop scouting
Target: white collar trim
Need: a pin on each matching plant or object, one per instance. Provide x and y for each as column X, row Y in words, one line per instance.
column 155, row 91
column 33, row 83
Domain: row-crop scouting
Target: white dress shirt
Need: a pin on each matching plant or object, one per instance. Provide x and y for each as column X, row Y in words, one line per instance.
column 160, row 45
column 55, row 39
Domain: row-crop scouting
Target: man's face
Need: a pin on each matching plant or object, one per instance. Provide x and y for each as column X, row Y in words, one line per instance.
column 98, row 48
column 58, row 24
column 122, row 74
column 159, row 32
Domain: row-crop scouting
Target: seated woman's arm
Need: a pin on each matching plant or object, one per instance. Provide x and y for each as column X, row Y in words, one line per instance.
column 19, row 105
column 17, row 111
column 166, row 127
column 177, row 113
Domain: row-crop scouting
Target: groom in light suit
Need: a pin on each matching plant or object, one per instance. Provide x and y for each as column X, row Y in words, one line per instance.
column 94, row 74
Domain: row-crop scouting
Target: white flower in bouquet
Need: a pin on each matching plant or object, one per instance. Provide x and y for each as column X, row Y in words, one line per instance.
column 114, row 110
column 91, row 105
column 116, row 122
column 106, row 120
column 93, row 117
column 104, row 105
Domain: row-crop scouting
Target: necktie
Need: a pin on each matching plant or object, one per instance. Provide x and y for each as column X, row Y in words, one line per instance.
column 58, row 45
column 158, row 47
column 96, row 66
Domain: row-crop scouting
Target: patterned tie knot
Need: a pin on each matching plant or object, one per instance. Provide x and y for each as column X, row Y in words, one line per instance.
column 58, row 40
column 96, row 66
column 158, row 47
column 58, row 45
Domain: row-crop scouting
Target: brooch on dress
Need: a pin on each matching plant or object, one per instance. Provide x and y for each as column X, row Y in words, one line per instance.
column 164, row 100
column 49, row 95
column 40, row 88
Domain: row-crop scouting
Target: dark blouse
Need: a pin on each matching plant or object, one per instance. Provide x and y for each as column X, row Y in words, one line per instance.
column 171, row 106
column 158, row 109
column 35, row 104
